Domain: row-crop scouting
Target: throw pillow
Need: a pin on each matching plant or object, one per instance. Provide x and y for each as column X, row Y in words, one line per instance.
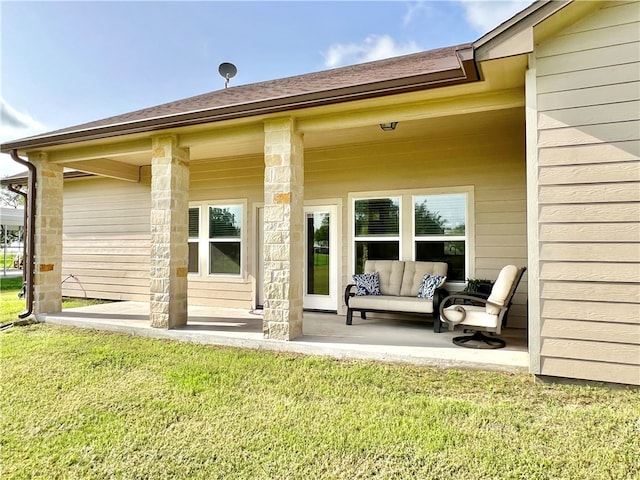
column 429, row 284
column 367, row 283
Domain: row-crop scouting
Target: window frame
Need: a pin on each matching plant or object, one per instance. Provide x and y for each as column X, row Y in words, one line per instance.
column 443, row 238
column 195, row 240
column 407, row 237
column 204, row 240
column 239, row 240
column 374, row 238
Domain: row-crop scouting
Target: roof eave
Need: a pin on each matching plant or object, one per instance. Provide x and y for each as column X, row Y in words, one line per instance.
column 514, row 26
column 466, row 72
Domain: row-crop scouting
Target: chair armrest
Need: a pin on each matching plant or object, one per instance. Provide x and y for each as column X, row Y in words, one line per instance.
column 451, row 299
column 348, row 293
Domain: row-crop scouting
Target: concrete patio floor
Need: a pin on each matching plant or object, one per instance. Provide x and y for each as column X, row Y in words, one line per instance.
column 324, row 334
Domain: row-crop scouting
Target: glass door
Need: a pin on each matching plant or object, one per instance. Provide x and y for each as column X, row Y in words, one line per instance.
column 320, row 263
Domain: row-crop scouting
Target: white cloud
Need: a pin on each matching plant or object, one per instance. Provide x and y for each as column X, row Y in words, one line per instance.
column 484, row 16
column 374, row 47
column 15, row 125
column 414, row 9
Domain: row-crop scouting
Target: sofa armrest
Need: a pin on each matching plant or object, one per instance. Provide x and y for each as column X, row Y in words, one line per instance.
column 348, row 293
column 438, row 296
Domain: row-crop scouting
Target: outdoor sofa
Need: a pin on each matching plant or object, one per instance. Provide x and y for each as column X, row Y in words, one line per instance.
column 396, row 286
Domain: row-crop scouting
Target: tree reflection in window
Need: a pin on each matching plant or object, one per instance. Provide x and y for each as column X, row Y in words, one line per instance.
column 377, row 230
column 225, row 233
column 440, row 232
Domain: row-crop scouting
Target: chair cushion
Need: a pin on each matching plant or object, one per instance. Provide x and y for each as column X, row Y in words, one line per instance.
column 367, row 283
column 429, row 284
column 414, row 272
column 502, row 288
column 392, row 303
column 474, row 316
column 390, row 272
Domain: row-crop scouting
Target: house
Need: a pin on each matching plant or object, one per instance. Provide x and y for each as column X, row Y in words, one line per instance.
column 522, row 147
column 11, row 223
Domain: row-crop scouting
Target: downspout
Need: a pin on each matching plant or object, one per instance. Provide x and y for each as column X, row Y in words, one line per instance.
column 30, row 225
column 18, row 189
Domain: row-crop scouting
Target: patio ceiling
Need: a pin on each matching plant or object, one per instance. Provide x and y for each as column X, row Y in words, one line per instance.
column 250, row 141
column 437, row 113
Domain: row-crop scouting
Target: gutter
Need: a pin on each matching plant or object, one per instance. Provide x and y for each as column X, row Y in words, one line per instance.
column 466, row 72
column 30, row 224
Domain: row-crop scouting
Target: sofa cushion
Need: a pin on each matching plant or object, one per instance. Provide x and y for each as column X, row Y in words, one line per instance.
column 429, row 284
column 415, row 271
column 367, row 283
column 390, row 272
column 392, row 303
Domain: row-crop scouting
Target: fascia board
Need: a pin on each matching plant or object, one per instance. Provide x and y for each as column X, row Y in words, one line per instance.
column 515, row 36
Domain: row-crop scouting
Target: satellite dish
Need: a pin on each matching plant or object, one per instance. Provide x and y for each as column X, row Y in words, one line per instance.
column 227, row 70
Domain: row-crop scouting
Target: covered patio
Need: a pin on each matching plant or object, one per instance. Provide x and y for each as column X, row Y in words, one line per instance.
column 381, row 339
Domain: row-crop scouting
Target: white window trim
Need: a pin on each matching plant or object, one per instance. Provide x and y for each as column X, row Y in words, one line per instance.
column 203, row 242
column 407, row 238
column 469, row 227
column 196, row 240
column 352, row 224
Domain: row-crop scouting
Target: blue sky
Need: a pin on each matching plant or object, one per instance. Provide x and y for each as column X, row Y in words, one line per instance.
column 66, row 63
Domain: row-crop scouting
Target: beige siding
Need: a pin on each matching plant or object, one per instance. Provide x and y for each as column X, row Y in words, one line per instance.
column 493, row 164
column 588, row 100
column 106, row 239
column 465, row 159
column 232, row 179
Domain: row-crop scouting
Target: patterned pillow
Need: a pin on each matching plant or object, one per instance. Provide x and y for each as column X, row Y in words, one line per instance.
column 367, row 283
column 429, row 284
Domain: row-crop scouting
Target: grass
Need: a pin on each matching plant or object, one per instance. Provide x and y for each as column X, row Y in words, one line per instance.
column 320, row 274
column 82, row 404
column 7, row 260
column 11, row 305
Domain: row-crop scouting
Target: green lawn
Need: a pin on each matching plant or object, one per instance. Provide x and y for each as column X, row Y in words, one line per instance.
column 81, row 404
column 7, row 260
column 11, row 305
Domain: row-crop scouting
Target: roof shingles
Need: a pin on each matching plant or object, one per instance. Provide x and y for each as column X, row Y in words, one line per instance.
column 326, row 86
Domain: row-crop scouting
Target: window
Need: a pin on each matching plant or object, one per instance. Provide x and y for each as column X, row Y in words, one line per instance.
column 215, row 239
column 425, row 225
column 377, row 230
column 225, row 239
column 194, row 237
column 440, row 231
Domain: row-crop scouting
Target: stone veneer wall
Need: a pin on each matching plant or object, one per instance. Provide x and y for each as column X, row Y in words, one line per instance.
column 47, row 246
column 283, row 230
column 169, row 232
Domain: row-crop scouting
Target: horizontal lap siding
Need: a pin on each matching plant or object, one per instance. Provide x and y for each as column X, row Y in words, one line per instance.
column 493, row 165
column 473, row 158
column 239, row 179
column 106, row 239
column 588, row 97
column 106, row 251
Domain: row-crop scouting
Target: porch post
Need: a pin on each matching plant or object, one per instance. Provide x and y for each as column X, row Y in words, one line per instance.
column 47, row 247
column 283, row 229
column 169, row 232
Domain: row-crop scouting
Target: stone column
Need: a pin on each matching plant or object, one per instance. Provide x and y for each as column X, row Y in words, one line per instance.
column 47, row 247
column 169, row 232
column 283, row 229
